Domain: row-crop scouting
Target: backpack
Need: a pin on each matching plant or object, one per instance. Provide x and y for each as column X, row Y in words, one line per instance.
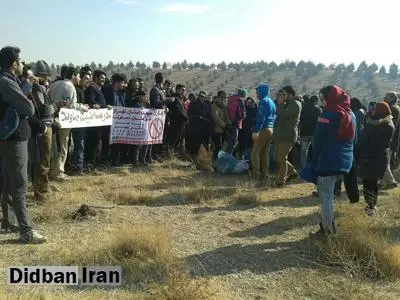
column 9, row 123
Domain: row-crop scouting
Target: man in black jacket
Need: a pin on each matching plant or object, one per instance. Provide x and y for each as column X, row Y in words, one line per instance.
column 14, row 150
column 95, row 99
column 114, row 95
column 177, row 117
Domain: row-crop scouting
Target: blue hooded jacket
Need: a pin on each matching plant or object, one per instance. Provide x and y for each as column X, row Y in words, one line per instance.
column 266, row 113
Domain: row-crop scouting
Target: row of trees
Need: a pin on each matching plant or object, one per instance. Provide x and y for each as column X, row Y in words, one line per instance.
column 303, row 68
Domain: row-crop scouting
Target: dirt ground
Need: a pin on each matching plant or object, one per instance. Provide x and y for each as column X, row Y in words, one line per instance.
column 252, row 243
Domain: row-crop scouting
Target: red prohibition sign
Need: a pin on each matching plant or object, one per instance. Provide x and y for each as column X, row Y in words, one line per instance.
column 156, row 128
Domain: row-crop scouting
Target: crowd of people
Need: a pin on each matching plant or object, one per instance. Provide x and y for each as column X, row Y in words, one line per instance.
column 330, row 135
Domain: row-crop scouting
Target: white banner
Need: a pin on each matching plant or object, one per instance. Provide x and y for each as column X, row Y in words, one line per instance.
column 137, row 126
column 73, row 118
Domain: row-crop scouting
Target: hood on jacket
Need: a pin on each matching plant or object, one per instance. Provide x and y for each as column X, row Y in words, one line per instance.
column 262, row 91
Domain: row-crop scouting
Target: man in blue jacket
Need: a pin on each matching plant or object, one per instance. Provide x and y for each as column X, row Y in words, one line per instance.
column 262, row 135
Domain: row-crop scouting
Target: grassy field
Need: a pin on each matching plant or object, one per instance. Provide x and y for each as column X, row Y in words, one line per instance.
column 180, row 233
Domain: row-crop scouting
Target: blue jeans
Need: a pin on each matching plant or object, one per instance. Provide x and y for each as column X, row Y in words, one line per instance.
column 78, row 136
column 326, row 189
column 232, row 139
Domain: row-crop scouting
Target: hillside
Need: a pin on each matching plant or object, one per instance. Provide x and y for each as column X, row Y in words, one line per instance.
column 366, row 82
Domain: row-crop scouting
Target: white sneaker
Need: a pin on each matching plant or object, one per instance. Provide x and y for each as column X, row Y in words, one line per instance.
column 370, row 211
column 32, row 237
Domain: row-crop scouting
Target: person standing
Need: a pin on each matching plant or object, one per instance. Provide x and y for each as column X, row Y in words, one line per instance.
column 389, row 182
column 113, row 93
column 14, row 148
column 95, row 99
column 177, row 119
column 44, row 111
column 286, row 133
column 308, row 119
column 63, row 95
column 374, row 145
column 236, row 115
column 332, row 151
column 262, row 135
column 79, row 134
column 220, row 121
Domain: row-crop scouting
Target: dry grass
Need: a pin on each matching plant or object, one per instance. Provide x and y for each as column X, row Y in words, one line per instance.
column 249, row 198
column 361, row 248
column 153, row 237
column 182, row 287
column 144, row 253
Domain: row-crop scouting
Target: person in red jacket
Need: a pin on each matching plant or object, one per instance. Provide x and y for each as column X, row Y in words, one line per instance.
column 236, row 115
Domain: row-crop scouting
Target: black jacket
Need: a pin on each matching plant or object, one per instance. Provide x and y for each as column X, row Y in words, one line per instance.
column 80, row 94
column 199, row 117
column 94, row 96
column 374, row 148
column 251, row 117
column 11, row 94
column 157, row 98
column 308, row 119
column 177, row 114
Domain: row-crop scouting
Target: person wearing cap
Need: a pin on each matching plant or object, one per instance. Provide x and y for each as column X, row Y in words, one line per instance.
column 44, row 111
column 374, row 144
column 286, row 133
column 262, row 134
column 236, row 115
column 220, row 121
column 199, row 126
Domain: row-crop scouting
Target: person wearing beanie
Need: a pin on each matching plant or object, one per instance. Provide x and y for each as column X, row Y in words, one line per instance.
column 332, row 151
column 262, row 134
column 391, row 98
column 236, row 115
column 374, row 153
column 286, row 133
column 44, row 112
